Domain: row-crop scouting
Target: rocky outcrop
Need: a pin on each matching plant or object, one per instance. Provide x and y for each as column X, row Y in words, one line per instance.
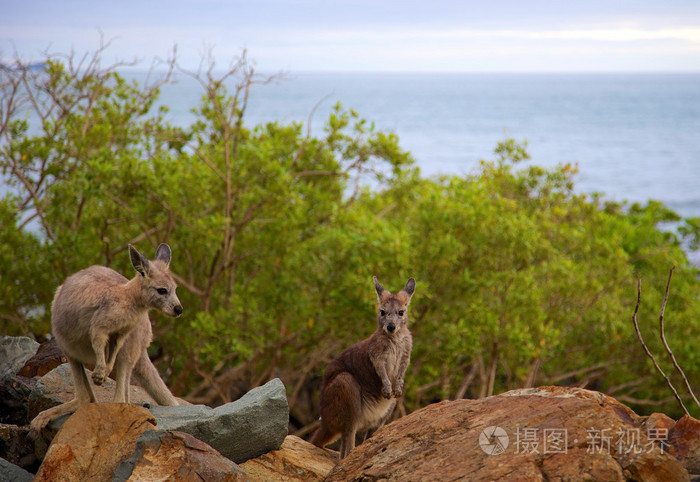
column 252, row 425
column 56, row 387
column 295, row 460
column 162, row 455
column 105, row 440
column 554, row 433
column 548, row 433
column 93, row 441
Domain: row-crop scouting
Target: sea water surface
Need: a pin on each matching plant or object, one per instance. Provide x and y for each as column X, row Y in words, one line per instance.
column 634, row 137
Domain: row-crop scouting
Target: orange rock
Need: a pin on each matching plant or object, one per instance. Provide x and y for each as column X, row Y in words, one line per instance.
column 93, row 442
column 170, row 455
column 550, row 433
column 296, row 460
column 657, row 421
column 684, row 443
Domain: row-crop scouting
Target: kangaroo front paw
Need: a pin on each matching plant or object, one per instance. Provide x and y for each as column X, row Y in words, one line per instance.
column 98, row 376
column 398, row 389
column 386, row 391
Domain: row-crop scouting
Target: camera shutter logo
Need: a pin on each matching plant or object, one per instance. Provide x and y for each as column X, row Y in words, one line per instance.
column 493, row 440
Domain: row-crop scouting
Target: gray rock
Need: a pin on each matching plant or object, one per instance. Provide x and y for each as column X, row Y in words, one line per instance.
column 14, row 353
column 11, row 473
column 56, row 387
column 251, row 426
column 52, row 389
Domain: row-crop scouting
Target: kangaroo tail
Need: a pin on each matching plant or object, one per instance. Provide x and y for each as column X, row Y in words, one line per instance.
column 322, row 436
column 146, row 375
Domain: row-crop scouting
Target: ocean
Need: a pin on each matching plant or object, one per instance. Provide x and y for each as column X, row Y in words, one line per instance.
column 634, row 137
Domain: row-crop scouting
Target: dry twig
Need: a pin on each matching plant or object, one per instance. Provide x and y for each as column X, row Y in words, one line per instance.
column 668, row 349
column 646, row 349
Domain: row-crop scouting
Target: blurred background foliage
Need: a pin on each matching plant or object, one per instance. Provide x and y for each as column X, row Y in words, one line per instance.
column 276, row 234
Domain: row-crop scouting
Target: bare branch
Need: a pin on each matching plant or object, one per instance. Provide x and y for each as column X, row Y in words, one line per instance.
column 668, row 349
column 613, row 389
column 307, row 429
column 646, row 350
column 468, row 379
column 583, row 371
column 36, row 200
column 643, row 401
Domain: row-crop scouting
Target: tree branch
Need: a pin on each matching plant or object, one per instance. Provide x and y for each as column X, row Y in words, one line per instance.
column 646, row 350
column 583, row 371
column 668, row 349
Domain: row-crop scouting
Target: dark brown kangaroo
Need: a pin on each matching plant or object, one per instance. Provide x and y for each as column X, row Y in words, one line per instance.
column 360, row 387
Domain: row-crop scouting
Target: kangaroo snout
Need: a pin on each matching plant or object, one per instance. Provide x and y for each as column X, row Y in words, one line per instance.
column 178, row 310
column 390, row 327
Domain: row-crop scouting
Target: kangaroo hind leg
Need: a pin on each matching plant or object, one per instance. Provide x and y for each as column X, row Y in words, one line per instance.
column 347, row 442
column 122, row 376
column 83, row 395
column 342, row 409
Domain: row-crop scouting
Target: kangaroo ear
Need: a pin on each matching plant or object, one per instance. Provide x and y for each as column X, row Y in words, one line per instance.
column 139, row 261
column 380, row 289
column 410, row 286
column 163, row 253
column 409, row 289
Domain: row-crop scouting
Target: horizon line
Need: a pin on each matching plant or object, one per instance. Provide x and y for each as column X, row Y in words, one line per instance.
column 432, row 72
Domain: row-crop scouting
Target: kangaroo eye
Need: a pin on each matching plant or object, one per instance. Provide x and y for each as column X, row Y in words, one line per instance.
column 162, row 291
column 382, row 312
column 400, row 312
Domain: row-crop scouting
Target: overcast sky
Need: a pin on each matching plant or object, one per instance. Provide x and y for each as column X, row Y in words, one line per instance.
column 376, row 35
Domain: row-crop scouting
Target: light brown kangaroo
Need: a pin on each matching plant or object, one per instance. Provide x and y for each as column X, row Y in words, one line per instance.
column 358, row 389
column 100, row 319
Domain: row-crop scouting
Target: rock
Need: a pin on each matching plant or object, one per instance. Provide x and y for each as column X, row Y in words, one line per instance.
column 657, row 421
column 14, row 352
column 11, row 473
column 16, row 448
column 546, row 433
column 56, row 387
column 14, row 398
column 296, row 460
column 251, row 426
column 684, row 443
column 94, row 441
column 162, row 455
column 46, row 358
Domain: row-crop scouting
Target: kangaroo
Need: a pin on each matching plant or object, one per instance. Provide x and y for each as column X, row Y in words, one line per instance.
column 100, row 319
column 358, row 388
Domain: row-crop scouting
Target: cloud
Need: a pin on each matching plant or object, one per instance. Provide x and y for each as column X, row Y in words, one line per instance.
column 631, row 45
column 686, row 34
